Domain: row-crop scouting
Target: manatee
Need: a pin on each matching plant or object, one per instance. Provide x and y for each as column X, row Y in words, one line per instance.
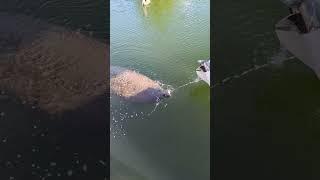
column 135, row 87
column 52, row 66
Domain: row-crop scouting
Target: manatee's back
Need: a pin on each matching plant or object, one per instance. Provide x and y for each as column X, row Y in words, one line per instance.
column 128, row 83
column 55, row 67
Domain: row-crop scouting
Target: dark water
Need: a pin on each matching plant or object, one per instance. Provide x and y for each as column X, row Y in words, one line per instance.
column 267, row 121
column 73, row 145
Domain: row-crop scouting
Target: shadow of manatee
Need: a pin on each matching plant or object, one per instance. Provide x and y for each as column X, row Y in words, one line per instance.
column 52, row 66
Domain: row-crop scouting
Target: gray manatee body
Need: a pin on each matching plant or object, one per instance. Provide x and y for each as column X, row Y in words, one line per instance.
column 134, row 86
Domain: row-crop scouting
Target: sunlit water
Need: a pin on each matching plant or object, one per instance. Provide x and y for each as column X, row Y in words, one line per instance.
column 168, row 139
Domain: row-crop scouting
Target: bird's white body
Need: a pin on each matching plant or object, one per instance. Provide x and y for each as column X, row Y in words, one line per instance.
column 146, row 2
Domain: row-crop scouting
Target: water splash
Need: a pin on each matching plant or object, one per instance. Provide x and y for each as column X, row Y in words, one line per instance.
column 170, row 90
column 121, row 112
column 277, row 60
column 167, row 87
column 155, row 107
column 188, row 83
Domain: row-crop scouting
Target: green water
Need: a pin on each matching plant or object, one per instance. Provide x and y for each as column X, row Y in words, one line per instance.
column 266, row 122
column 163, row 41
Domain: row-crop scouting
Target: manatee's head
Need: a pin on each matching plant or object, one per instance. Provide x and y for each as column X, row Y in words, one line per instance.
column 165, row 93
column 151, row 95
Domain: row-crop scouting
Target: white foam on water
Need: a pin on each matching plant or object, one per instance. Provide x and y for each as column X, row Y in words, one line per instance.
column 187, row 84
column 277, row 60
column 121, row 112
column 154, row 109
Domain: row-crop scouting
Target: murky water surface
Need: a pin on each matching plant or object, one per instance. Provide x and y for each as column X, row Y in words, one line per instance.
column 169, row 140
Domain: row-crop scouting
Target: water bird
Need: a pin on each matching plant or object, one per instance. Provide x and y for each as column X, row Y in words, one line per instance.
column 146, row 2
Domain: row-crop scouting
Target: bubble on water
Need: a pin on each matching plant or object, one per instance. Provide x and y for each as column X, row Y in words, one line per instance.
column 155, row 107
column 102, row 162
column 53, row 163
column 84, row 168
column 69, row 173
column 4, row 140
column 121, row 114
